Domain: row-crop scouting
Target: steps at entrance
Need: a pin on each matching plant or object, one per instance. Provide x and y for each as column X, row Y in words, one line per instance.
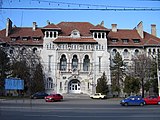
column 76, row 96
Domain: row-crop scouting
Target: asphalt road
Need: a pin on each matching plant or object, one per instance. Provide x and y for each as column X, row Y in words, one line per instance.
column 75, row 109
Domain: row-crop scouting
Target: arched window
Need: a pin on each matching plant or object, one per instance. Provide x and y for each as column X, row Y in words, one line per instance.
column 55, row 35
column 11, row 50
column 114, row 52
column 86, row 63
column 149, row 51
column 99, row 35
column 125, row 53
column 49, row 84
column 47, row 34
column 75, row 62
column 34, row 50
column 136, row 52
column 63, row 63
column 51, row 34
column 95, row 35
column 102, row 35
column 23, row 51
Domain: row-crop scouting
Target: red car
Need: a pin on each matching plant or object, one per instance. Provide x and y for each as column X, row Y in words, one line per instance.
column 53, row 97
column 152, row 100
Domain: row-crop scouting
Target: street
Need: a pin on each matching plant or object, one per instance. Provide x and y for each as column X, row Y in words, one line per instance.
column 71, row 109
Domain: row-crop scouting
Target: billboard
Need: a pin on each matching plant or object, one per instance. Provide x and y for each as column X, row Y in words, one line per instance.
column 14, row 84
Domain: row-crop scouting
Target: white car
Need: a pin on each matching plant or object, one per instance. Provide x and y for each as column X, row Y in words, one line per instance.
column 98, row 96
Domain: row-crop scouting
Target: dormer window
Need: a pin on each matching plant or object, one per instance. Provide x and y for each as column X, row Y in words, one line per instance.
column 125, row 40
column 25, row 38
column 136, row 40
column 36, row 38
column 114, row 40
column 75, row 34
column 14, row 38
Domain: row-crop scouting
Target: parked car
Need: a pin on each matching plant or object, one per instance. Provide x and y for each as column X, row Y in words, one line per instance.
column 152, row 100
column 133, row 100
column 39, row 95
column 98, row 96
column 53, row 97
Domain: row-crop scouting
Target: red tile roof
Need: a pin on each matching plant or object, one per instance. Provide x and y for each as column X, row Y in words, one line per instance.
column 151, row 40
column 23, row 32
column 82, row 27
column 85, row 29
column 51, row 26
column 99, row 28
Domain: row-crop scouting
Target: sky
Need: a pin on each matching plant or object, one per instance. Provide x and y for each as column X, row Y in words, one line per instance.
column 123, row 18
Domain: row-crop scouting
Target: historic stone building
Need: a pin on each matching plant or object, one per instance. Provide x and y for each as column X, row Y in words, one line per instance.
column 75, row 54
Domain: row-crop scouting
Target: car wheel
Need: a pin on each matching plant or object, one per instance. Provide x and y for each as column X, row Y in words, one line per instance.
column 34, row 97
column 125, row 104
column 141, row 104
column 159, row 103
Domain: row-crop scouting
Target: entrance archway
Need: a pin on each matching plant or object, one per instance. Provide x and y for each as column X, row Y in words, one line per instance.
column 74, row 86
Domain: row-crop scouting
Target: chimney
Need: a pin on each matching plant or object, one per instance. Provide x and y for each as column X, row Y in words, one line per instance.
column 139, row 29
column 114, row 27
column 153, row 30
column 48, row 22
column 34, row 26
column 8, row 27
column 102, row 23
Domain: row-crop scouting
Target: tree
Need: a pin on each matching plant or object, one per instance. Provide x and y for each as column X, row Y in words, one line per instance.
column 131, row 85
column 37, row 83
column 142, row 69
column 102, row 86
column 4, row 68
column 117, row 73
column 22, row 71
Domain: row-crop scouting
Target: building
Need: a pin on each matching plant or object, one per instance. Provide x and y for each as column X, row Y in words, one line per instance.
column 75, row 54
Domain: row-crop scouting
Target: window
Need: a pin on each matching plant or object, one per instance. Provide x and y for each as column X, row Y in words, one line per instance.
column 95, row 35
column 47, row 34
column 75, row 33
column 99, row 64
column 136, row 40
column 13, row 38
column 60, row 85
column 114, row 40
column 49, row 62
column 75, row 62
column 63, row 63
column 86, row 63
column 34, row 50
column 99, row 35
column 55, row 34
column 51, row 34
column 125, row 53
column 136, row 52
column 102, row 35
column 125, row 40
column 114, row 52
column 25, row 38
column 49, row 84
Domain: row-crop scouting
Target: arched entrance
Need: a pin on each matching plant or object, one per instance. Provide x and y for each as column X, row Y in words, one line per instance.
column 74, row 86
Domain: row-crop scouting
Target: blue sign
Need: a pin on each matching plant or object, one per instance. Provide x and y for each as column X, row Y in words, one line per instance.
column 14, row 84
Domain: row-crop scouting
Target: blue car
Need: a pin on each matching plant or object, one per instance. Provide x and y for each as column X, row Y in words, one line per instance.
column 133, row 100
